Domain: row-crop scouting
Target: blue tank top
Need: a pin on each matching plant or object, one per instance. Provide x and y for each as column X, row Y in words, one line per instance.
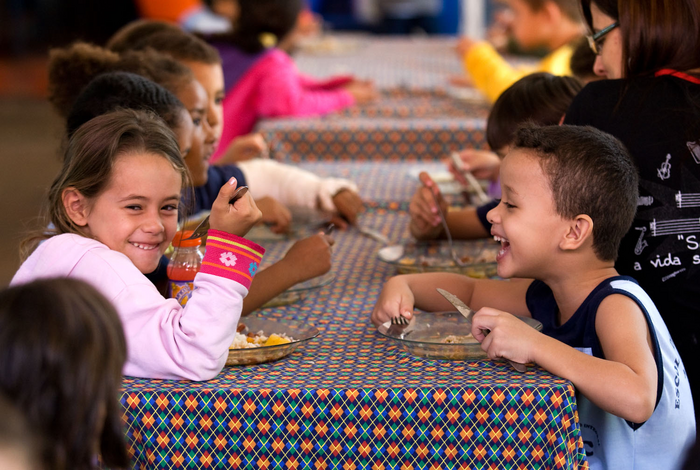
column 612, row 442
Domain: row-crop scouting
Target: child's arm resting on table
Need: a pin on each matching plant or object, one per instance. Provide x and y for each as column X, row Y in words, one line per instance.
column 306, row 259
column 401, row 294
column 623, row 384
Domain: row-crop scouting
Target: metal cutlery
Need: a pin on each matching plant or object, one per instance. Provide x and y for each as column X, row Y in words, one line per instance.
column 401, row 326
column 455, row 258
column 373, row 234
column 471, row 179
column 202, row 228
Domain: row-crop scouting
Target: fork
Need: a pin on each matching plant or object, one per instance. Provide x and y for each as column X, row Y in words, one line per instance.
column 400, row 320
column 455, row 258
column 202, row 228
column 401, row 326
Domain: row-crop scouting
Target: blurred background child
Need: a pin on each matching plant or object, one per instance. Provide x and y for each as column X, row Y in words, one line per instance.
column 262, row 81
column 553, row 24
column 62, row 353
column 113, row 212
column 540, row 98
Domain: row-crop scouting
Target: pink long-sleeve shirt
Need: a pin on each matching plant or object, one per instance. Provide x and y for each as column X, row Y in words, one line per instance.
column 273, row 87
column 164, row 339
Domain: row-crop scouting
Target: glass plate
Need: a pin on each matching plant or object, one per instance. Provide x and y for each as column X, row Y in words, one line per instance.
column 434, row 256
column 300, row 332
column 299, row 291
column 425, row 335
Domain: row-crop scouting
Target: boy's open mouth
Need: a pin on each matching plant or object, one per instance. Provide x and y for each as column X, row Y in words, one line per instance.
column 505, row 245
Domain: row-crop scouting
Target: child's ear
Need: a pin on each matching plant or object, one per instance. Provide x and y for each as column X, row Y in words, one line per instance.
column 580, row 230
column 75, row 205
column 552, row 12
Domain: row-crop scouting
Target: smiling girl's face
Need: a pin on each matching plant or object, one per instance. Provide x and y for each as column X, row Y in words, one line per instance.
column 136, row 214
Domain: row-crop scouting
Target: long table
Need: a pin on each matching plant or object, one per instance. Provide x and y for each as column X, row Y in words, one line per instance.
column 350, row 398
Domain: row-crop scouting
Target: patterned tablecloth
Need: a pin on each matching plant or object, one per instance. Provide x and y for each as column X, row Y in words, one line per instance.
column 402, row 125
column 350, row 398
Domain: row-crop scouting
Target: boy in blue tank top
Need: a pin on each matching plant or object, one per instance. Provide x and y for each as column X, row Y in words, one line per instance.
column 569, row 194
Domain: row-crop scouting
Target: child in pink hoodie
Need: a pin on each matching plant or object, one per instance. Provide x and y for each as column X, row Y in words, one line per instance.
column 113, row 210
column 262, row 81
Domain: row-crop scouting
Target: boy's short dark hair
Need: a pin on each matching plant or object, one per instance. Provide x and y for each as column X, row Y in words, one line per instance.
column 590, row 172
column 541, row 98
column 570, row 8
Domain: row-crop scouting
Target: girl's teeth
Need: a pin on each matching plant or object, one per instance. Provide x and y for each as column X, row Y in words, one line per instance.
column 144, row 247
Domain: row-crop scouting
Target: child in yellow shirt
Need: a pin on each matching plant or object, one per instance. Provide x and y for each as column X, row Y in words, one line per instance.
column 553, row 24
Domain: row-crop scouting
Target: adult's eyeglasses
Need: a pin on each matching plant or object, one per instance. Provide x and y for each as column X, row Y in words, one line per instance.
column 595, row 41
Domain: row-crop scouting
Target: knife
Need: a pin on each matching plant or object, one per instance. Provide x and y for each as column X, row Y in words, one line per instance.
column 468, row 314
column 461, row 307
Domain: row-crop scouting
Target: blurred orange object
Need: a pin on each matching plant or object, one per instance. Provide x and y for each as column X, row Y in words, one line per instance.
column 166, row 10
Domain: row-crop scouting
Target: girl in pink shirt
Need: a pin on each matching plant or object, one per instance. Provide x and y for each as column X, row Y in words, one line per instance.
column 262, row 81
column 113, row 210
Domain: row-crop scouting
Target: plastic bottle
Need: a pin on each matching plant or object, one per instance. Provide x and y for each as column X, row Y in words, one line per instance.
column 184, row 266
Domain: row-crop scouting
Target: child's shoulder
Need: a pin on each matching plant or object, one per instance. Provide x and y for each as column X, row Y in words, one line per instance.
column 71, row 254
column 540, row 298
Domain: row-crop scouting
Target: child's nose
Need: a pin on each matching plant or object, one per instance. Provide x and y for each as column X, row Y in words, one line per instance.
column 154, row 224
column 209, row 133
column 212, row 117
column 492, row 215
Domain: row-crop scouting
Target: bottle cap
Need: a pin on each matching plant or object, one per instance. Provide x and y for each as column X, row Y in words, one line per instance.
column 179, row 242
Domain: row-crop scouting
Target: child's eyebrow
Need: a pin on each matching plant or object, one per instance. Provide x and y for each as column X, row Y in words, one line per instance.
column 509, row 189
column 132, row 197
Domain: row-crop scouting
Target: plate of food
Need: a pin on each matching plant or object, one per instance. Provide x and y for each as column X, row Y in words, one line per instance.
column 260, row 340
column 478, row 257
column 440, row 335
column 300, row 291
